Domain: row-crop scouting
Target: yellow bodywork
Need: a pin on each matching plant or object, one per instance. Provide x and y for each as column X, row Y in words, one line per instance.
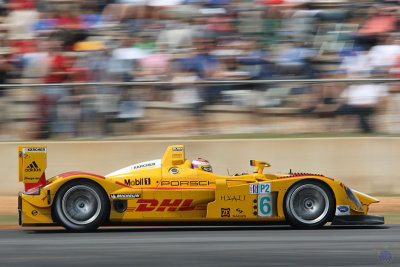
column 169, row 189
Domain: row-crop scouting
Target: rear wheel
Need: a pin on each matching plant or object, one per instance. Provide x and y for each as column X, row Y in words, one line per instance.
column 81, row 205
column 309, row 204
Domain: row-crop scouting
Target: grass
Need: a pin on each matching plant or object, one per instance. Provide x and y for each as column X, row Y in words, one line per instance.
column 9, row 219
column 392, row 218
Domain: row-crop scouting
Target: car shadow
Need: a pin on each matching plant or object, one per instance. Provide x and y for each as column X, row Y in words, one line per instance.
column 181, row 228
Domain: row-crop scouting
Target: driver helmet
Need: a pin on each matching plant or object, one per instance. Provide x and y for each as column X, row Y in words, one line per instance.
column 202, row 164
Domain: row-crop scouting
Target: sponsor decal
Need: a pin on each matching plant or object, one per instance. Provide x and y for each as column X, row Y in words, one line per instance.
column 261, row 188
column 225, row 212
column 150, row 164
column 233, row 197
column 35, row 212
column 31, row 178
column 253, row 189
column 33, row 167
column 164, row 205
column 138, row 181
column 124, row 196
column 147, row 164
column 33, row 149
column 173, row 170
column 240, row 214
column 184, row 183
column 177, row 149
column 342, row 210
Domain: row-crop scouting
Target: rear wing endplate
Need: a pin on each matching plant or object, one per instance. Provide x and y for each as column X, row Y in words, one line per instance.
column 32, row 163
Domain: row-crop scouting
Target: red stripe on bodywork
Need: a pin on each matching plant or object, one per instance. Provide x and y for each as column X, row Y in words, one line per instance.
column 67, row 174
column 41, row 183
column 174, row 188
column 304, row 175
column 119, row 183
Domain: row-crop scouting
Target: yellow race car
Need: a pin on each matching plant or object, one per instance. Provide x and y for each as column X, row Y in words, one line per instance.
column 176, row 190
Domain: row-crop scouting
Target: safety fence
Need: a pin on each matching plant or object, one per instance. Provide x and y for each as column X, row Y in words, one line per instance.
column 141, row 83
column 103, row 109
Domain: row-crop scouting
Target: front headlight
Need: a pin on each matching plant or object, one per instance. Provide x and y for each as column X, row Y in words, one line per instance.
column 350, row 194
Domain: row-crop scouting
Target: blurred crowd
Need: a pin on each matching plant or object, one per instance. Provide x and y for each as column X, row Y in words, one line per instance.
column 186, row 41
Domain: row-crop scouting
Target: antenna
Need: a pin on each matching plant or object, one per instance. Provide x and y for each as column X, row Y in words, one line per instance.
column 228, row 172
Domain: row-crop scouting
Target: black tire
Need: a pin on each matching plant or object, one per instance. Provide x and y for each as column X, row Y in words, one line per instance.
column 81, row 205
column 309, row 204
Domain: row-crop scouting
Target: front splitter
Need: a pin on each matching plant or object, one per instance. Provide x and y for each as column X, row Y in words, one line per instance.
column 358, row 220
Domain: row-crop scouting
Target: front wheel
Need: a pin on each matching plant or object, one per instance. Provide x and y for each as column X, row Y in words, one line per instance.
column 81, row 205
column 309, row 204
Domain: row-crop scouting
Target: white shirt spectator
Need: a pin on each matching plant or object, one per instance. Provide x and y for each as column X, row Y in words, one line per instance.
column 175, row 37
column 19, row 24
column 357, row 65
column 164, row 2
column 36, row 65
column 383, row 56
column 188, row 93
column 365, row 94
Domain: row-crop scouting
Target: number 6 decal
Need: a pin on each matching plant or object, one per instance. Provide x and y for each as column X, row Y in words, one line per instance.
column 265, row 205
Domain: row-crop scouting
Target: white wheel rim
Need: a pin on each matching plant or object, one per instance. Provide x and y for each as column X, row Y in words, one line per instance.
column 309, row 204
column 81, row 204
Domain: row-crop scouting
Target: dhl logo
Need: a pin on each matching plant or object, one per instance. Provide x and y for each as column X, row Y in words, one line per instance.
column 166, row 205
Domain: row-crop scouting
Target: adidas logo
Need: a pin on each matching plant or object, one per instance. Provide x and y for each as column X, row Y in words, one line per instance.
column 33, row 167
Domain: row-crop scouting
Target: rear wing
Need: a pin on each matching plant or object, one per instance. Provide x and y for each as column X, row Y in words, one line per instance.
column 32, row 162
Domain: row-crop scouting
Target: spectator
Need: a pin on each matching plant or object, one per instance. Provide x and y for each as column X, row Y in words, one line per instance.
column 380, row 22
column 5, row 68
column 186, row 92
column 125, row 40
column 20, row 20
column 176, row 35
column 206, row 66
column 383, row 56
column 363, row 100
column 124, row 57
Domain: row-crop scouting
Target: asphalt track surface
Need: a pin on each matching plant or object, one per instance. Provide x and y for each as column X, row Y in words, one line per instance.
column 202, row 246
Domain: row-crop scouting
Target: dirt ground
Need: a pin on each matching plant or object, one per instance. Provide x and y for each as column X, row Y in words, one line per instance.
column 9, row 205
column 386, row 206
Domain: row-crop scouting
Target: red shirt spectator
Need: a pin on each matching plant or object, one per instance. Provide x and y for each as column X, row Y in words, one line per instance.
column 70, row 22
column 57, row 70
column 22, row 4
